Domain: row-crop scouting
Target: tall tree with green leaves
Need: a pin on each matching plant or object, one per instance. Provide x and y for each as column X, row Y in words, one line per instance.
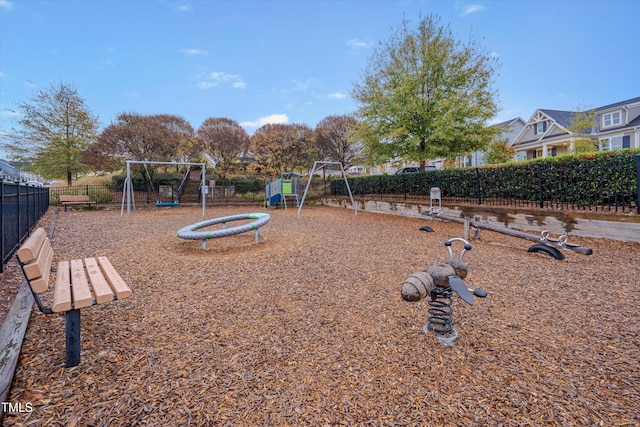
column 581, row 125
column 54, row 128
column 499, row 151
column 426, row 95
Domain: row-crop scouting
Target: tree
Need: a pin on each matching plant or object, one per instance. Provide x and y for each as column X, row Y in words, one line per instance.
column 222, row 140
column 283, row 147
column 55, row 127
column 180, row 138
column 499, row 151
column 335, row 139
column 425, row 95
column 581, row 125
column 138, row 137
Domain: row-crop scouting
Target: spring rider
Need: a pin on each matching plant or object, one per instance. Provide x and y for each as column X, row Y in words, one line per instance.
column 439, row 282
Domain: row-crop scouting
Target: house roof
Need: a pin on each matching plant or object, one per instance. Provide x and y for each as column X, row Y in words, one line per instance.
column 508, row 122
column 563, row 118
column 619, row 104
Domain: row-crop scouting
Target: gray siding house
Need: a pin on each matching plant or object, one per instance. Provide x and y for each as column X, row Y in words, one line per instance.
column 508, row 131
column 8, row 172
column 547, row 133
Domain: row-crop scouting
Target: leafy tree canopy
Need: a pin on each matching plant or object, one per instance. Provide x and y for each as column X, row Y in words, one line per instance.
column 222, row 140
column 283, row 147
column 160, row 138
column 336, row 140
column 499, row 151
column 581, row 125
column 426, row 95
column 55, row 127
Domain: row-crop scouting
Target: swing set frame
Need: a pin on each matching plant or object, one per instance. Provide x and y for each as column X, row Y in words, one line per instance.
column 127, row 192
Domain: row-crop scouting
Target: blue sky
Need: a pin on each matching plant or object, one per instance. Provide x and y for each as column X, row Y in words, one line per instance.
column 296, row 61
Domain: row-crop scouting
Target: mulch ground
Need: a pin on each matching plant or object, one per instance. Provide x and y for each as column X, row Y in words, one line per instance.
column 307, row 327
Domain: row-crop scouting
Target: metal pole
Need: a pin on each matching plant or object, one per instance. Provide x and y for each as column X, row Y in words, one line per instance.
column 128, row 185
column 638, row 182
column 346, row 181
column 313, row 170
column 203, row 182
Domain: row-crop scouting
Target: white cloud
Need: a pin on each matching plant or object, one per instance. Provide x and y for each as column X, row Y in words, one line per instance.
column 184, row 7
column 300, row 85
column 206, row 85
column 1, row 74
column 337, row 95
column 217, row 78
column 6, row 4
column 471, row 8
column 192, row 52
column 358, row 44
column 272, row 119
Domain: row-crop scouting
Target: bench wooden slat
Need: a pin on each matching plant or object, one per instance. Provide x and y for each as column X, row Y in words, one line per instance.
column 119, row 286
column 39, row 267
column 101, row 289
column 31, row 247
column 82, row 296
column 62, row 290
column 74, row 198
column 41, row 284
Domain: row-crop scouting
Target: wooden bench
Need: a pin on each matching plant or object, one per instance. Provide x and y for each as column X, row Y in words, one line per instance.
column 79, row 283
column 71, row 200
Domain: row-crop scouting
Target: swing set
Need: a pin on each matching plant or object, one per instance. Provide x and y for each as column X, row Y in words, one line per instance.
column 127, row 193
column 160, row 203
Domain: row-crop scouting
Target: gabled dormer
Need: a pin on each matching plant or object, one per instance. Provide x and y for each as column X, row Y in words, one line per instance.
column 539, row 122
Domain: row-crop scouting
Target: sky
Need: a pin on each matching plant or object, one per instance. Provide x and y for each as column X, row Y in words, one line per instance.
column 296, row 61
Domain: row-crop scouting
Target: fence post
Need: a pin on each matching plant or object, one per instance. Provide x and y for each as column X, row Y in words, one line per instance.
column 540, row 184
column 638, row 182
column 478, row 187
column 2, row 234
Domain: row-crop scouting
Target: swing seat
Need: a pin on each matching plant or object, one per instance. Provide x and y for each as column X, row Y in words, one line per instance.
column 167, row 204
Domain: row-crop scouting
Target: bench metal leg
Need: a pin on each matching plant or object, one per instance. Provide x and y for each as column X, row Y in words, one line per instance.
column 72, row 351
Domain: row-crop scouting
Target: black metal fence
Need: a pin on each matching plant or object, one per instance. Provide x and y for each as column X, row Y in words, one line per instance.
column 608, row 185
column 105, row 195
column 20, row 209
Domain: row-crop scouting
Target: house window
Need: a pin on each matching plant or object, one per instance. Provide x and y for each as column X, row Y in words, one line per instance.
column 539, row 128
column 611, row 119
column 613, row 143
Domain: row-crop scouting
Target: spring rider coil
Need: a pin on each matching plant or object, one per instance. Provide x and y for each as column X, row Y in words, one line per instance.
column 440, row 282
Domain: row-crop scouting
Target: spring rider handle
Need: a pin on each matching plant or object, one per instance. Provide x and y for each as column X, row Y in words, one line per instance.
column 467, row 246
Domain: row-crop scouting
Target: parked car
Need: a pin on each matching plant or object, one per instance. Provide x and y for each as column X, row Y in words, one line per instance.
column 414, row 169
column 33, row 184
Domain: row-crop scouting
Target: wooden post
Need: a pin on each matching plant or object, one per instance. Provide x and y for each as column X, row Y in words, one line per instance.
column 466, row 228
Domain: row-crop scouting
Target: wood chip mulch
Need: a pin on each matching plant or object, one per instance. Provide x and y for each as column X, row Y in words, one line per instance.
column 307, row 328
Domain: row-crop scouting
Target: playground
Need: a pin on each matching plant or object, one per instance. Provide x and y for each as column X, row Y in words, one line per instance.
column 307, row 327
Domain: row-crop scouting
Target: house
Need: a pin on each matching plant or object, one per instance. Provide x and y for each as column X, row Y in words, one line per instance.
column 508, row 131
column 547, row 133
column 9, row 172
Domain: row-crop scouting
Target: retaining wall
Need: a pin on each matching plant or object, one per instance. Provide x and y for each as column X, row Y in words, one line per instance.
column 584, row 224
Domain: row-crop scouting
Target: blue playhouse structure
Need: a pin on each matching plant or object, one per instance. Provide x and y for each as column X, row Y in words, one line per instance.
column 287, row 186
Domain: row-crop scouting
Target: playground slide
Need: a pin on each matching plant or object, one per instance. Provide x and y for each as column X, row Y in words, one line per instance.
column 275, row 199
